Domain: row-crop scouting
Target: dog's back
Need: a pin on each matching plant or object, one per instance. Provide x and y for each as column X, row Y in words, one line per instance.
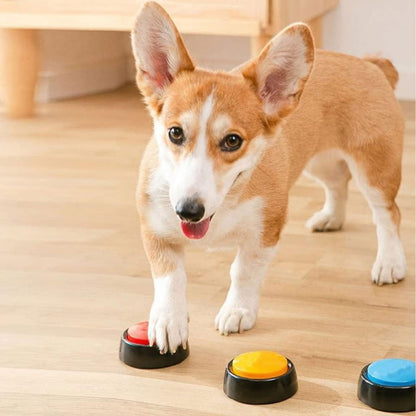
column 348, row 103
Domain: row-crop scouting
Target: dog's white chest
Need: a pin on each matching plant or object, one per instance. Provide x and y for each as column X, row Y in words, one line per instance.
column 231, row 224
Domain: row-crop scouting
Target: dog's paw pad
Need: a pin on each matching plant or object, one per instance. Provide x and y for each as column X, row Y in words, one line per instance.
column 234, row 319
column 324, row 221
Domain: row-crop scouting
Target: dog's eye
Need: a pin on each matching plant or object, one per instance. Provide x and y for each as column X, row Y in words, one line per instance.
column 231, row 142
column 176, row 135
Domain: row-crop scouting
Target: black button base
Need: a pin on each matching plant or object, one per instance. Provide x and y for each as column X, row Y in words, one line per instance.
column 260, row 391
column 385, row 398
column 146, row 356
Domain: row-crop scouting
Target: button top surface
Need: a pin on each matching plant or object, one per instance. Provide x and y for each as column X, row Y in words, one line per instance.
column 137, row 334
column 392, row 372
column 259, row 365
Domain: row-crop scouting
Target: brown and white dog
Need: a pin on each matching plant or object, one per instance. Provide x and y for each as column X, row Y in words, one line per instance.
column 227, row 147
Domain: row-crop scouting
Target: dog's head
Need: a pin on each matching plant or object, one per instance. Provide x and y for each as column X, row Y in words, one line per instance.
column 213, row 126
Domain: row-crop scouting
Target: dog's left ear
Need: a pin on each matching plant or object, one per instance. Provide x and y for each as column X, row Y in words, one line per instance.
column 281, row 70
column 159, row 51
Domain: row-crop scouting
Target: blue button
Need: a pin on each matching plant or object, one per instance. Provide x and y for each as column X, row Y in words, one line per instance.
column 392, row 372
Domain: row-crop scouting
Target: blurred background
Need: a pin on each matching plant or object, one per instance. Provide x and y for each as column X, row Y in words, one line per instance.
column 75, row 63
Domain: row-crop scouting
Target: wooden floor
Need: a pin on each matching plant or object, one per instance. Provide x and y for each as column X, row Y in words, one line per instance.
column 73, row 276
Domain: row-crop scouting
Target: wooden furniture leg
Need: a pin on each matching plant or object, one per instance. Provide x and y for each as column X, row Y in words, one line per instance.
column 316, row 26
column 257, row 43
column 19, row 62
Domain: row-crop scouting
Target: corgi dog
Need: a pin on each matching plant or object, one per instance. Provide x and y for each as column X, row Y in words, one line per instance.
column 228, row 146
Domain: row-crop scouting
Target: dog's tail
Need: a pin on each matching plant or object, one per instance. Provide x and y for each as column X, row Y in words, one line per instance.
column 387, row 67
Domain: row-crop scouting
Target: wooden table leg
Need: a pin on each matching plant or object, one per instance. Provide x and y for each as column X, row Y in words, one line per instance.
column 257, row 43
column 316, row 26
column 19, row 63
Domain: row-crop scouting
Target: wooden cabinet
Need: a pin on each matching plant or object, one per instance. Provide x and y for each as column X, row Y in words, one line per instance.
column 20, row 19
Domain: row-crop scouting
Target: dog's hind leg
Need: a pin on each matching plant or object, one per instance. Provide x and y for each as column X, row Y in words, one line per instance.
column 332, row 172
column 378, row 175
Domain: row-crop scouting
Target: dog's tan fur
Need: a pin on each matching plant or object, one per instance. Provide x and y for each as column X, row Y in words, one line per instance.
column 346, row 104
column 338, row 118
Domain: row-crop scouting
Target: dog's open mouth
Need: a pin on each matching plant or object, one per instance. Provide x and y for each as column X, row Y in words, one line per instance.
column 196, row 230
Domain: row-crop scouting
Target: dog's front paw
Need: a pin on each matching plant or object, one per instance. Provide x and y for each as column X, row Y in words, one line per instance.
column 325, row 221
column 234, row 318
column 168, row 326
column 389, row 267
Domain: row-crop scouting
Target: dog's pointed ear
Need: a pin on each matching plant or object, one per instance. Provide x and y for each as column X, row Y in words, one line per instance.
column 281, row 70
column 159, row 51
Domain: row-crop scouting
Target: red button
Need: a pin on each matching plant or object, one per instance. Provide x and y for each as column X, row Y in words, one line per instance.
column 137, row 334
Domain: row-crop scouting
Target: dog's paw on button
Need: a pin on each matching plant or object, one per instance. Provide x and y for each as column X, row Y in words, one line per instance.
column 135, row 350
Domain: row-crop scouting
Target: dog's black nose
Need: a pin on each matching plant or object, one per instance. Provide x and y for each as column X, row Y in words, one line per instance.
column 190, row 209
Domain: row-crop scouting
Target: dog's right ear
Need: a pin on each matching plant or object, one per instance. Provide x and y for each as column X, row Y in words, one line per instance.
column 159, row 52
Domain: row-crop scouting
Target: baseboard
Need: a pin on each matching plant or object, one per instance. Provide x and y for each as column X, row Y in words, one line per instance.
column 82, row 79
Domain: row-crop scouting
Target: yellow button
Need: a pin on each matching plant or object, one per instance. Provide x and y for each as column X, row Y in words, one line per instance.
column 259, row 365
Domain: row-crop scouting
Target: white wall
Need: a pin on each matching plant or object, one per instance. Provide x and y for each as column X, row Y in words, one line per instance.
column 385, row 27
column 77, row 63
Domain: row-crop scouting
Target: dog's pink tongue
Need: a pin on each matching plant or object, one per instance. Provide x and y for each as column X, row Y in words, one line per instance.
column 195, row 230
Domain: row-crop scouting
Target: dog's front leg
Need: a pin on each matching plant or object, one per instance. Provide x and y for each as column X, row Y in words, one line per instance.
column 168, row 321
column 239, row 311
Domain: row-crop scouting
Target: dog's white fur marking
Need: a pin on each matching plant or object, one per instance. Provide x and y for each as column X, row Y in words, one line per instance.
column 194, row 174
column 239, row 311
column 233, row 219
column 168, row 321
column 221, row 123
